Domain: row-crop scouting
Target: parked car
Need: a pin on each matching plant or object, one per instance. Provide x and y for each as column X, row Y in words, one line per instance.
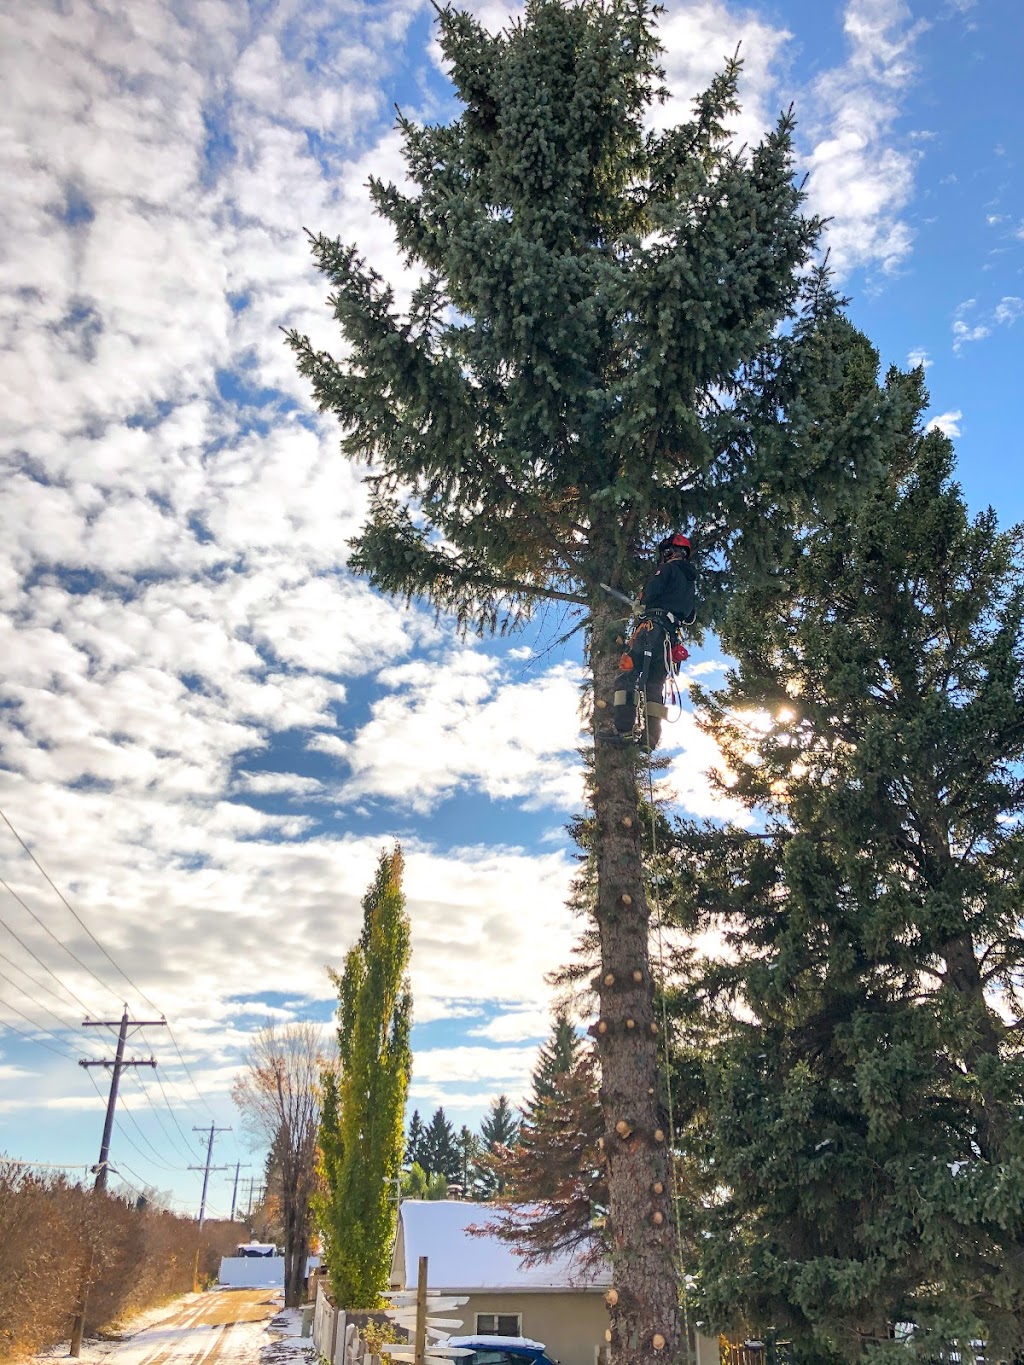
column 502, row 1351
column 256, row 1249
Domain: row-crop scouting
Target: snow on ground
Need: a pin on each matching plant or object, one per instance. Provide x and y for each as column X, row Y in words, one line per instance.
column 223, row 1327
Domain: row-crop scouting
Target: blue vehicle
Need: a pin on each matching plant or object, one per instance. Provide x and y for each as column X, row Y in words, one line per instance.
column 489, row 1350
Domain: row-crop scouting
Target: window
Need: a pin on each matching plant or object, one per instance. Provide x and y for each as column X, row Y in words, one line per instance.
column 499, row 1324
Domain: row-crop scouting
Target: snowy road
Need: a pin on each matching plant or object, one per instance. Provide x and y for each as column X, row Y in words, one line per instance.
column 226, row 1327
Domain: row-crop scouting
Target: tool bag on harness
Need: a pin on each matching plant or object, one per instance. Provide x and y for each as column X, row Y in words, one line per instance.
column 651, row 653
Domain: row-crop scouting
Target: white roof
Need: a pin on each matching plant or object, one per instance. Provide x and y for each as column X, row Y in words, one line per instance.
column 458, row 1261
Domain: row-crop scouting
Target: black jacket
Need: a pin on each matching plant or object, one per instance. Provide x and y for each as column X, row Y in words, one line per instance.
column 673, row 589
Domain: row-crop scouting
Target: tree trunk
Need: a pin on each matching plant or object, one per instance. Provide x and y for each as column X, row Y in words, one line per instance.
column 644, row 1304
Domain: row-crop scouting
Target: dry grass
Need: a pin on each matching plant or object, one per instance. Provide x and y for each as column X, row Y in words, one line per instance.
column 50, row 1231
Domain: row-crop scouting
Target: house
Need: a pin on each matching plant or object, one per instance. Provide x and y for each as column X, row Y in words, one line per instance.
column 559, row 1302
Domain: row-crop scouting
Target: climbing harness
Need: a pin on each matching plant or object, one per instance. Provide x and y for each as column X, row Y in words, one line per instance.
column 634, row 710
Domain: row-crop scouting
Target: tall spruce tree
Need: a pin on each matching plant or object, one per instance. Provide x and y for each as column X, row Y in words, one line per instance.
column 361, row 1138
column 593, row 358
column 439, row 1150
column 557, row 1058
column 864, row 1105
column 555, row 1178
column 414, row 1140
column 499, row 1126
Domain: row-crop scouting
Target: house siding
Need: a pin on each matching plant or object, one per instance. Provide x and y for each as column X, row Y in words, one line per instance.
column 571, row 1325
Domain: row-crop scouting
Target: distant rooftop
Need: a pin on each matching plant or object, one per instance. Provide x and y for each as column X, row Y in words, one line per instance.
column 460, row 1262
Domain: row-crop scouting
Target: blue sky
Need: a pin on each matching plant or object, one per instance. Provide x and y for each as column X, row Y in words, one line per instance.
column 208, row 728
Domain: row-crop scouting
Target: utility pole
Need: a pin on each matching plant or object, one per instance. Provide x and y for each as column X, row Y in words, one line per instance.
column 248, row 1210
column 102, row 1166
column 202, row 1202
column 118, row 1065
column 234, row 1192
column 207, row 1168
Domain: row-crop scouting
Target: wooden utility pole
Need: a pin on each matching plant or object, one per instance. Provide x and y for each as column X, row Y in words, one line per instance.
column 234, row 1192
column 119, row 1064
column 202, row 1201
column 420, row 1340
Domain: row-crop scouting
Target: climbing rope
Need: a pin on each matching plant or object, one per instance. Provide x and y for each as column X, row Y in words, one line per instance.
column 671, row 672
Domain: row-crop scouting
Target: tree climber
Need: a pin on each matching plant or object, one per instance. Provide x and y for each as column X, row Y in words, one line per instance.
column 666, row 603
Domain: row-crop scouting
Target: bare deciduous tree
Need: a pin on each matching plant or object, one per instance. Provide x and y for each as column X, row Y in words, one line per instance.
column 278, row 1095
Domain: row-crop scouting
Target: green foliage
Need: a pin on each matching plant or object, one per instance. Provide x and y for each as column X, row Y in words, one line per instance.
column 592, row 354
column 413, row 1140
column 439, row 1152
column 863, row 1033
column 417, row 1184
column 361, row 1138
column 557, row 1058
column 614, row 333
column 499, row 1127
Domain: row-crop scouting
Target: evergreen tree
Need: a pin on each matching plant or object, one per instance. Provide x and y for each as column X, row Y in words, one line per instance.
column 558, row 1058
column 554, row 1178
column 863, row 1118
column 594, row 357
column 439, row 1152
column 414, row 1140
column 499, row 1127
column 468, row 1145
column 499, row 1133
column 361, row 1137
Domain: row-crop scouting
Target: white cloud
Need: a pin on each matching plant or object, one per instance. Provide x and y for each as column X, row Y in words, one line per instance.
column 860, row 177
column 1008, row 310
column 1005, row 313
column 460, row 723
column 919, row 358
column 946, row 422
column 517, row 1026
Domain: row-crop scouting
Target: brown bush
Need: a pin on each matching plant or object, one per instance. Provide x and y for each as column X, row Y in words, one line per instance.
column 52, row 1230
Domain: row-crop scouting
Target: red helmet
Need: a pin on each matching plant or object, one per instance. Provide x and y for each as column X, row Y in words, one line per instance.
column 674, row 546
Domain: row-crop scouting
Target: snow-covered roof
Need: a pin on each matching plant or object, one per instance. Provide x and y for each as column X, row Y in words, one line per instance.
column 458, row 1261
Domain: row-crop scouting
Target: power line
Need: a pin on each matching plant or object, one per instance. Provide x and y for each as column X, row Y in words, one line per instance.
column 62, row 1023
column 35, row 956
column 188, row 1073
column 41, row 985
column 167, row 1101
column 4, row 1023
column 38, row 1027
column 78, row 918
column 46, row 928
column 142, row 995
column 159, row 1117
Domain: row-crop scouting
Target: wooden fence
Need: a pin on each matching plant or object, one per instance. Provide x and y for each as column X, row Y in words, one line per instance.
column 337, row 1340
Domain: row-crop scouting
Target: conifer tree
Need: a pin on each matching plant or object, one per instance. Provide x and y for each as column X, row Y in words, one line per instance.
column 439, row 1152
column 864, row 1104
column 361, row 1137
column 557, row 1058
column 593, row 358
column 499, row 1133
column 414, row 1140
column 499, row 1126
column 554, row 1177
column 468, row 1145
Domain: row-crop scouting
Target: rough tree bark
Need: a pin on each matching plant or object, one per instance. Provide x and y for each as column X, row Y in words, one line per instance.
column 635, row 1140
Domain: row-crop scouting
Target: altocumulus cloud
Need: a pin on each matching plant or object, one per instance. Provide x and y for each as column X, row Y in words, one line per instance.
column 175, row 607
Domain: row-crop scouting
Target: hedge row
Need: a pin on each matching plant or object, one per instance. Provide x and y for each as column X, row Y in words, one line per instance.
column 50, row 1231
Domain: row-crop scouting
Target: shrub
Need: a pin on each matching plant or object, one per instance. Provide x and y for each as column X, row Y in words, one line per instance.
column 51, row 1231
